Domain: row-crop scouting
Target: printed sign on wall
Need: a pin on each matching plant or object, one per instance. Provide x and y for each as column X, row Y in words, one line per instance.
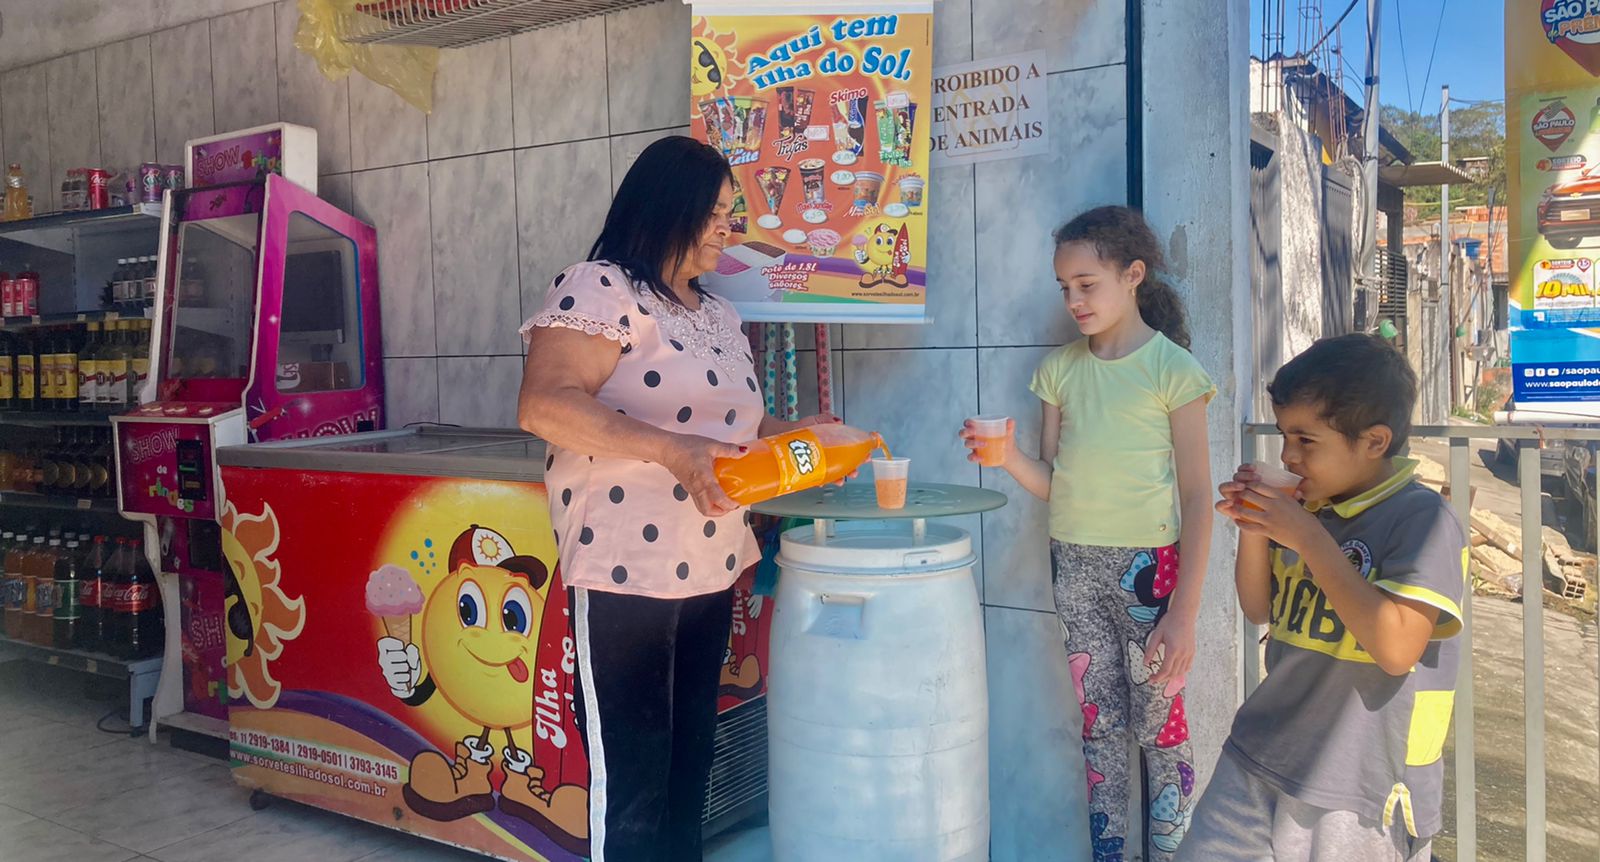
column 824, row 118
column 991, row 109
column 1553, row 167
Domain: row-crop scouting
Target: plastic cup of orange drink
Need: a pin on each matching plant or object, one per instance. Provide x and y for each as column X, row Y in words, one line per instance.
column 1276, row 477
column 890, row 476
column 992, row 437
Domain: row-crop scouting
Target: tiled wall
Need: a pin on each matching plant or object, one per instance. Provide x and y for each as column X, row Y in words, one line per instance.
column 481, row 203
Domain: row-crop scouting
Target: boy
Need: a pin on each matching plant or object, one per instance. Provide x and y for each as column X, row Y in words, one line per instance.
column 1337, row 755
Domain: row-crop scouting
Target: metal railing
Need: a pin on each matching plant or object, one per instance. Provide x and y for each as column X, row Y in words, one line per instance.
column 1530, row 484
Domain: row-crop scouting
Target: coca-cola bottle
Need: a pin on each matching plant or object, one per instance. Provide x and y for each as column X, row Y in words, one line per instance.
column 140, row 626
column 91, row 628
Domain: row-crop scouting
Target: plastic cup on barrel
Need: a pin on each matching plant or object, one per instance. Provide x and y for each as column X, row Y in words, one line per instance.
column 992, row 437
column 890, row 477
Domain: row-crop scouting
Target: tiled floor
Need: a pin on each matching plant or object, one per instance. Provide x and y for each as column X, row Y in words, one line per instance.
column 71, row 793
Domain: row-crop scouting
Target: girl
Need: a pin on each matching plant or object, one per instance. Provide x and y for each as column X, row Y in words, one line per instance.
column 1123, row 464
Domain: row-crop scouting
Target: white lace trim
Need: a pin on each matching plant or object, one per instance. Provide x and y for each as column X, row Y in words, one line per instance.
column 703, row 331
column 581, row 322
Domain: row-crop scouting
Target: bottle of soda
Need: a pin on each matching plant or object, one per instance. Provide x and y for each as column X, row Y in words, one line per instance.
column 88, row 383
column 91, row 627
column 119, row 284
column 68, row 583
column 48, row 343
column 139, row 361
column 8, row 371
column 29, row 565
column 44, row 610
column 112, row 593
column 67, row 379
column 7, row 584
column 140, row 624
column 27, row 371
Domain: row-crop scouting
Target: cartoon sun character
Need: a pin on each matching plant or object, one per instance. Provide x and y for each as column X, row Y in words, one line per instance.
column 260, row 617
column 885, row 255
column 712, row 66
column 480, row 634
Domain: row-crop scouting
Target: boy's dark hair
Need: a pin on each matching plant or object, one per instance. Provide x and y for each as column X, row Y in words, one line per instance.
column 1356, row 382
column 1121, row 235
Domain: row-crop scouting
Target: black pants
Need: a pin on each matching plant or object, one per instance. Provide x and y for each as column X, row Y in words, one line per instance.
column 648, row 671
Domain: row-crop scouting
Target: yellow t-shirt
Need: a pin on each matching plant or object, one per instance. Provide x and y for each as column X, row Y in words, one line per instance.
column 1115, row 483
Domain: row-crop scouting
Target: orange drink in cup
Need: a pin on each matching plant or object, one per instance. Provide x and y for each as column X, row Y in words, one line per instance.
column 1275, row 477
column 992, row 438
column 890, row 477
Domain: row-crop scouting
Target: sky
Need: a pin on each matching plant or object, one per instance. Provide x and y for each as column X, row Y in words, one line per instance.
column 1470, row 57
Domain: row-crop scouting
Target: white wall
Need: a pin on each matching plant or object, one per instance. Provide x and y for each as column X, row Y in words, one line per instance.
column 1197, row 196
column 481, row 203
column 34, row 30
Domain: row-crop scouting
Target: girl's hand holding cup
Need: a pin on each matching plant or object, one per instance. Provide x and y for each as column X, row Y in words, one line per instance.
column 990, row 439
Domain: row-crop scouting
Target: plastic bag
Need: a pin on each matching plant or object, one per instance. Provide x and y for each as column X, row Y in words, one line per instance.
column 406, row 70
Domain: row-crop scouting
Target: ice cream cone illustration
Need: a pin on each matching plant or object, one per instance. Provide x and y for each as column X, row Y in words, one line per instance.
column 394, row 597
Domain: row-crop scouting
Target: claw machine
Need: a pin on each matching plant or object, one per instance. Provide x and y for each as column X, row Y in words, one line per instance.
column 266, row 328
column 405, row 647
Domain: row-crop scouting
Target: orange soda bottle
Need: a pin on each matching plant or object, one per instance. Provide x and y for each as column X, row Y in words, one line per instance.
column 795, row 461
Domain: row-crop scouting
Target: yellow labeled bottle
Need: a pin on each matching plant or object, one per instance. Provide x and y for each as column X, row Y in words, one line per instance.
column 795, row 461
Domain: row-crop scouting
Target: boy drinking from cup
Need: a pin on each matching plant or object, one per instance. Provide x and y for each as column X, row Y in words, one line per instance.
column 1337, row 755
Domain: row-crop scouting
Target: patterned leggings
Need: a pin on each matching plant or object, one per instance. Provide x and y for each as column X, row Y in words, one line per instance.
column 1108, row 601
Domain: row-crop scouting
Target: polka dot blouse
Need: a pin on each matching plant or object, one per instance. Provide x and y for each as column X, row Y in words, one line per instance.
column 627, row 526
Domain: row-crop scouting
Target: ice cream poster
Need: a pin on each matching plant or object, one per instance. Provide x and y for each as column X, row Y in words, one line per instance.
column 401, row 650
column 1553, row 171
column 825, row 121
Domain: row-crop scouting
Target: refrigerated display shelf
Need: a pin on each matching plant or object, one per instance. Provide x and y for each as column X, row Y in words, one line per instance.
column 17, row 324
column 58, row 501
column 141, row 674
column 51, row 418
column 85, row 222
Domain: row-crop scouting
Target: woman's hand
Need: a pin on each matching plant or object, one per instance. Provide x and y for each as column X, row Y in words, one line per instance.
column 819, row 419
column 1171, row 643
column 692, row 461
column 969, row 438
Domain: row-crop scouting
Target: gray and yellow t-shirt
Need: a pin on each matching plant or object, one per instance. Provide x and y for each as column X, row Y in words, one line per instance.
column 1328, row 726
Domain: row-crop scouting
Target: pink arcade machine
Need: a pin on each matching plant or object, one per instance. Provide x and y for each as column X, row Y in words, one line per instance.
column 266, row 328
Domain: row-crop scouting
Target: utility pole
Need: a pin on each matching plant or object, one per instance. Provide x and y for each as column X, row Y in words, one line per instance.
column 1366, row 265
column 1447, row 293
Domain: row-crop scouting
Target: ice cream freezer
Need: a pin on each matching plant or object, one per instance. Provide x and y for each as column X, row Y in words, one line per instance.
column 396, row 619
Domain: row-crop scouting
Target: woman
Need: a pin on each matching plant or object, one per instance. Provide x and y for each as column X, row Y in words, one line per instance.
column 639, row 380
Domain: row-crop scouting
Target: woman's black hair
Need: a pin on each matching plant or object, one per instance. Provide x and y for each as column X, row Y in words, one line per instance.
column 660, row 211
column 1121, row 235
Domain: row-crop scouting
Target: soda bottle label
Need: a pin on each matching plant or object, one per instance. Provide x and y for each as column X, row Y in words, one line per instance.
column 68, row 599
column 114, row 376
column 86, row 381
column 44, row 603
column 89, row 593
column 801, row 462
column 139, row 372
column 45, row 374
column 67, row 377
column 27, row 378
column 30, row 595
column 8, row 377
column 134, row 598
column 8, row 298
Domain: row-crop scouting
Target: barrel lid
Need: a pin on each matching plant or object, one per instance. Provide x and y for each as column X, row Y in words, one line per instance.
column 876, row 548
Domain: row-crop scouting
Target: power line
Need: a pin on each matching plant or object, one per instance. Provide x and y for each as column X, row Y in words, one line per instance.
column 1329, row 32
column 1400, row 21
column 1438, row 27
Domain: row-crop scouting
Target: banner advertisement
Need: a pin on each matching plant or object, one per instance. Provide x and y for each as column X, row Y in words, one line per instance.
column 825, row 119
column 1553, row 169
column 400, row 649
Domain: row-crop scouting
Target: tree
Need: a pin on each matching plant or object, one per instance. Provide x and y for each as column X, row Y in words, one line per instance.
column 1477, row 130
